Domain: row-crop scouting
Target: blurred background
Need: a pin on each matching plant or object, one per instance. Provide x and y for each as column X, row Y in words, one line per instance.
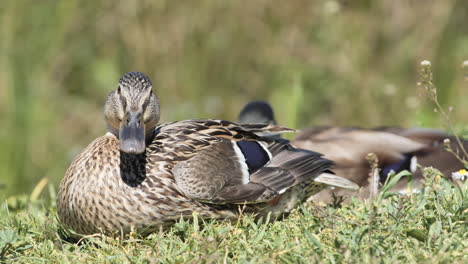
column 323, row 62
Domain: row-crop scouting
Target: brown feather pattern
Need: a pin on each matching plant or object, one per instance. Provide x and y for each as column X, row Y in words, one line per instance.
column 105, row 190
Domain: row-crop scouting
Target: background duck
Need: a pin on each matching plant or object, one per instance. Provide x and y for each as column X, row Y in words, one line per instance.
column 397, row 149
column 140, row 175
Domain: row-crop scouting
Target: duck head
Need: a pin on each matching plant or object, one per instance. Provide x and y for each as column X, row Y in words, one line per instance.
column 132, row 112
column 257, row 112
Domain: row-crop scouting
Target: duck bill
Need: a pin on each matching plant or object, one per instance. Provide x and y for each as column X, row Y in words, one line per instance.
column 132, row 135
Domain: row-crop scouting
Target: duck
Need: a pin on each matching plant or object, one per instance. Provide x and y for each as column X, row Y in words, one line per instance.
column 142, row 175
column 397, row 149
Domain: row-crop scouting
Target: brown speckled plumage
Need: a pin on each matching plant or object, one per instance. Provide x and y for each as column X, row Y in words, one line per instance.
column 349, row 146
column 113, row 190
column 188, row 166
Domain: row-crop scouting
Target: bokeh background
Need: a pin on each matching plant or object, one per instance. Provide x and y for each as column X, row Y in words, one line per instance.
column 322, row 62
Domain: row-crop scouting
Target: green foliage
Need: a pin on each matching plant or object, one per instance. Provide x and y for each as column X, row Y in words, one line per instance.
column 426, row 227
column 319, row 62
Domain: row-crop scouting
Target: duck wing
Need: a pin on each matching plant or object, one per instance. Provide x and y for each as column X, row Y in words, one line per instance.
column 223, row 162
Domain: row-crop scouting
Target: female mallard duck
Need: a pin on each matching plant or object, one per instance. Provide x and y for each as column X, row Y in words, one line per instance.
column 141, row 175
column 397, row 149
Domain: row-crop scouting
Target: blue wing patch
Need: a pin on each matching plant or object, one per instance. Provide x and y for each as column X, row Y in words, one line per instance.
column 403, row 164
column 255, row 155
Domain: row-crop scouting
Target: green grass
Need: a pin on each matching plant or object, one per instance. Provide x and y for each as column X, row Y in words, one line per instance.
column 428, row 227
column 325, row 62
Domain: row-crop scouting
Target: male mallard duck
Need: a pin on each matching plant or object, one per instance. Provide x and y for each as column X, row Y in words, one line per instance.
column 397, row 149
column 140, row 174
